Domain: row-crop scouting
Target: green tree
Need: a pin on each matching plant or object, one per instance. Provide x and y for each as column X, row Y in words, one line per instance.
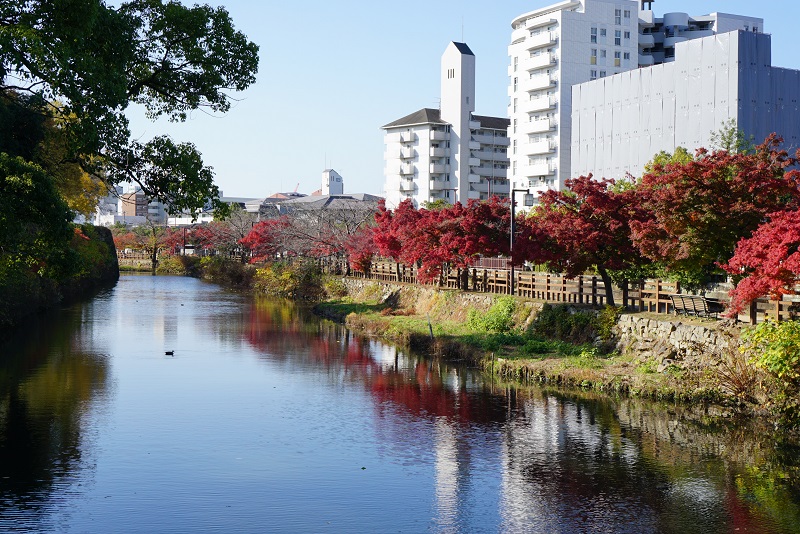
column 95, row 60
column 664, row 158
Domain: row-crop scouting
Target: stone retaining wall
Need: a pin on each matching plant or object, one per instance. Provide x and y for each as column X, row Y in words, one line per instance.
column 674, row 341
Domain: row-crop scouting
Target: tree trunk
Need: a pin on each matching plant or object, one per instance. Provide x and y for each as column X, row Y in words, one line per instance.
column 608, row 285
column 154, row 260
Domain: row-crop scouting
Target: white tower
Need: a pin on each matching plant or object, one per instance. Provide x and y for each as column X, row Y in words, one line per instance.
column 458, row 104
column 332, row 183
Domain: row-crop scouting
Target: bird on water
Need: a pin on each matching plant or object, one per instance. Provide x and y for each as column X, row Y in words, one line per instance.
column 169, row 352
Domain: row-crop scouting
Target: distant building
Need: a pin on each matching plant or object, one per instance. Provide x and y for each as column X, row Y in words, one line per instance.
column 575, row 41
column 332, row 183
column 620, row 122
column 449, row 153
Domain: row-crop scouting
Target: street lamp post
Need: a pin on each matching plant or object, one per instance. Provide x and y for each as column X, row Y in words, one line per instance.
column 511, row 242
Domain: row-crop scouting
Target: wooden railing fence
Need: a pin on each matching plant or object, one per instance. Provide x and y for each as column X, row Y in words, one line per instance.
column 645, row 295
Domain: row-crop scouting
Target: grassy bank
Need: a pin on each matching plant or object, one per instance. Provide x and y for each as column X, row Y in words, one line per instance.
column 527, row 342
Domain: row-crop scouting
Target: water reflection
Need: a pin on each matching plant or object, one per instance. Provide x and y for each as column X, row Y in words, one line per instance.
column 48, row 384
column 569, row 463
column 258, row 421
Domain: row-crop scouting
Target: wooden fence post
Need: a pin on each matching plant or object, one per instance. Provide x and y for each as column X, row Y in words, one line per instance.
column 594, row 291
column 625, row 294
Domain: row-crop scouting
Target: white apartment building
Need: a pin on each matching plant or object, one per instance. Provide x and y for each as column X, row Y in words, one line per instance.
column 620, row 122
column 572, row 42
column 449, row 153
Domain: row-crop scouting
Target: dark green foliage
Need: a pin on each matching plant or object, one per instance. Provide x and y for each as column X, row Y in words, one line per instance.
column 88, row 61
column 565, row 324
column 227, row 272
column 499, row 318
column 183, row 265
column 298, row 280
column 35, row 229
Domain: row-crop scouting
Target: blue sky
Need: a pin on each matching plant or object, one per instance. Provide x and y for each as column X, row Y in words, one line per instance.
column 332, row 73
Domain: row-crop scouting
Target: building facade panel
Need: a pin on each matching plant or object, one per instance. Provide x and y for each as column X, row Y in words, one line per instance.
column 690, row 118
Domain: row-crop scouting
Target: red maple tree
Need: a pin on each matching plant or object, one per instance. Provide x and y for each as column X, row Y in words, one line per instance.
column 769, row 260
column 265, row 240
column 700, row 209
column 585, row 226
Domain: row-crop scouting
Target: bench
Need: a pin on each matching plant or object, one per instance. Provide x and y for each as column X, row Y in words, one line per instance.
column 696, row 305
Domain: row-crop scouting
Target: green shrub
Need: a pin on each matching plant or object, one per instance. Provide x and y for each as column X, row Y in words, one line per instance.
column 301, row 280
column 227, row 272
column 563, row 323
column 775, row 347
column 185, row 265
column 335, row 288
column 499, row 318
column 606, row 320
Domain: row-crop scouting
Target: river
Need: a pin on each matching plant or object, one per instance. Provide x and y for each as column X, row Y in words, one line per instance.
column 268, row 419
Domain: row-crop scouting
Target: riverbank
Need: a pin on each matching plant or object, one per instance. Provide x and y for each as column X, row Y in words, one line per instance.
column 91, row 262
column 678, row 359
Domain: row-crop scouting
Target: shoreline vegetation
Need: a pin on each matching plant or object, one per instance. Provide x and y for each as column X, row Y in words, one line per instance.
column 528, row 342
column 90, row 264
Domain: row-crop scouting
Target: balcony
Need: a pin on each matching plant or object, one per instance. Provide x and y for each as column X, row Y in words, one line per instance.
column 439, row 185
column 538, row 126
column 438, row 135
column 439, row 168
column 407, row 170
column 490, row 172
column 538, row 62
column 437, row 152
column 476, row 195
column 474, row 125
column 645, row 60
column 669, row 42
column 474, row 178
column 408, row 137
column 490, row 155
column 543, row 81
column 541, row 103
column 406, row 185
column 541, row 40
column 407, row 153
column 474, row 145
column 474, row 162
column 646, row 40
column 539, row 169
column 539, row 147
column 496, row 140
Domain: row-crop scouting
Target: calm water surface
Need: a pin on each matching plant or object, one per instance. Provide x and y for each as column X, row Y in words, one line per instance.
column 267, row 419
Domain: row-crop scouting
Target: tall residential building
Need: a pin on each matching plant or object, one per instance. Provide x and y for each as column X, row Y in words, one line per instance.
column 620, row 122
column 449, row 153
column 575, row 41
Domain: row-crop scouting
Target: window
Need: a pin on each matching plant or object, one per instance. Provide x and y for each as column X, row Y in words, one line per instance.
column 627, row 13
column 594, row 35
column 516, row 60
column 514, row 147
column 746, row 28
column 593, row 59
column 627, row 35
column 592, row 74
column 617, row 37
column 617, row 17
column 515, row 126
column 602, row 74
column 626, row 56
column 515, row 83
column 602, row 53
column 515, row 104
column 755, row 29
column 616, row 59
column 602, row 32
